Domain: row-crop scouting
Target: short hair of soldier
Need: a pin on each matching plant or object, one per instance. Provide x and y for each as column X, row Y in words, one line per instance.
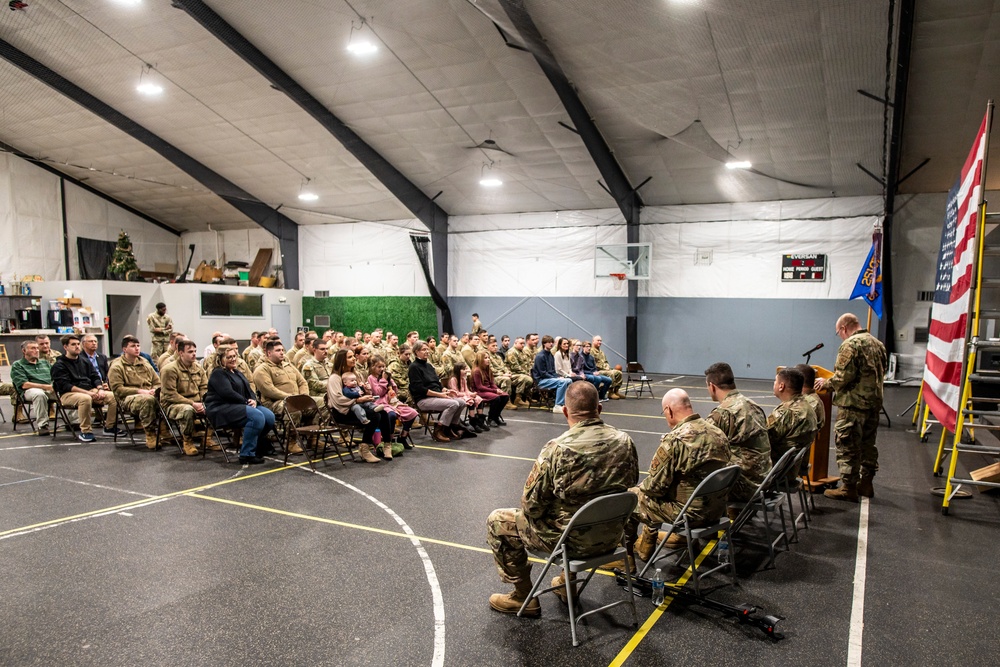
column 792, row 378
column 228, row 340
column 721, row 375
column 582, row 399
column 128, row 340
column 808, row 374
column 65, row 340
column 405, row 347
column 545, row 339
column 475, row 314
column 161, row 305
column 184, row 344
column 271, row 344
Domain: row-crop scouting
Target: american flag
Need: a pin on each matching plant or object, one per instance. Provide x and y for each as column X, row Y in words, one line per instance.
column 950, row 311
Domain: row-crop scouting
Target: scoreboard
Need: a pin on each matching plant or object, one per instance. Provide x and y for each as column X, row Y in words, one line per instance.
column 797, row 268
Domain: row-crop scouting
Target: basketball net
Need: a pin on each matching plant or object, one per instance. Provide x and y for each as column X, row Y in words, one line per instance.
column 618, row 280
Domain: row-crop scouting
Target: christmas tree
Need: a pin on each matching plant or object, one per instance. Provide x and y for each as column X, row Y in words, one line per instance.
column 123, row 262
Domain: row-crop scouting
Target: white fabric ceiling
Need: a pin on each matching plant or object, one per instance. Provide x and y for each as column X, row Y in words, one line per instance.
column 771, row 82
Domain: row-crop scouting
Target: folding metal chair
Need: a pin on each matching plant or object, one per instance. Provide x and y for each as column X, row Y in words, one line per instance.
column 768, row 498
column 174, row 429
column 635, row 376
column 792, row 485
column 303, row 406
column 610, row 510
column 62, row 412
column 717, row 484
column 22, row 412
column 430, row 419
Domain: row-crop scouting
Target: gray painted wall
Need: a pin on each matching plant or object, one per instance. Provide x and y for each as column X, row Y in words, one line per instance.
column 592, row 315
column 682, row 336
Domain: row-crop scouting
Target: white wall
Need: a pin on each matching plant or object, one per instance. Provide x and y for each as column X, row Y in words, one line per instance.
column 360, row 259
column 31, row 232
column 231, row 245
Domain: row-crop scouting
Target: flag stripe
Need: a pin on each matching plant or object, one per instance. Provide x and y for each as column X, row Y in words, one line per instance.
column 946, row 344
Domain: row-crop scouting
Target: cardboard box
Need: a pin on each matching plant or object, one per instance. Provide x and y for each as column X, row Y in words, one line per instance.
column 71, row 301
column 990, row 473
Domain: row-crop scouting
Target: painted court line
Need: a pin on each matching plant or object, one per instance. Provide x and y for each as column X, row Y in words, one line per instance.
column 858, row 604
column 22, row 481
column 77, row 481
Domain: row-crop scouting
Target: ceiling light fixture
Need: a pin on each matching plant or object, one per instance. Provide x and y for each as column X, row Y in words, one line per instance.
column 131, row 3
column 489, row 178
column 738, row 165
column 363, row 43
column 307, row 195
column 146, row 85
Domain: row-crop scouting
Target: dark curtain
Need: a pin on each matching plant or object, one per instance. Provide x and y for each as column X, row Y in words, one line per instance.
column 94, row 257
column 422, row 245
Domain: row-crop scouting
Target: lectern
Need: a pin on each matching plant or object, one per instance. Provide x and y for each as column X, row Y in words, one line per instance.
column 819, row 457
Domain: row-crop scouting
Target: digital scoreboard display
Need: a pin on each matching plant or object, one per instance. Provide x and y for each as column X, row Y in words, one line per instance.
column 809, row 268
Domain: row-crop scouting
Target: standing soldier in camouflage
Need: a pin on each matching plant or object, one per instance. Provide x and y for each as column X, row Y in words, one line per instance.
column 316, row 371
column 591, row 459
column 792, row 425
column 745, row 426
column 604, row 368
column 134, row 384
column 400, row 372
column 276, row 380
column 183, row 386
column 160, row 325
column 692, row 450
column 857, row 385
column 810, row 396
column 519, row 363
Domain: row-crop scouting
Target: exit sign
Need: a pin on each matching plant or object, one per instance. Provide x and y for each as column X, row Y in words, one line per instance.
column 809, row 268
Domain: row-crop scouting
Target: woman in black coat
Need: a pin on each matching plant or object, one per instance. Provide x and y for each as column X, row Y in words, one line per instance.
column 230, row 403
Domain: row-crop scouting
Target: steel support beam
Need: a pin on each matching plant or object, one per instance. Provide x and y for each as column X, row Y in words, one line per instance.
column 412, row 197
column 903, row 48
column 625, row 195
column 276, row 223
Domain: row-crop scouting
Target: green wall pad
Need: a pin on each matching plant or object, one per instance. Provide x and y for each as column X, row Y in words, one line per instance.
column 398, row 314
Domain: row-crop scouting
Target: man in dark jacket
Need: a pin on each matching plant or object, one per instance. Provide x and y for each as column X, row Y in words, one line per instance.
column 96, row 359
column 80, row 387
column 545, row 376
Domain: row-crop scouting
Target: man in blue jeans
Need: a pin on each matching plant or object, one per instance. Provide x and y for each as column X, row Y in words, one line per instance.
column 545, row 376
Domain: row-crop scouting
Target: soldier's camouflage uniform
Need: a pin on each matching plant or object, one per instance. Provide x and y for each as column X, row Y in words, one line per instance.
column 519, row 362
column 167, row 357
column 590, row 459
column 792, row 425
column 179, row 388
column 254, row 358
column 857, row 383
column 817, row 405
column 275, row 383
column 160, row 340
column 745, row 426
column 604, row 368
column 400, row 373
column 689, row 453
column 242, row 366
column 316, row 373
column 125, row 380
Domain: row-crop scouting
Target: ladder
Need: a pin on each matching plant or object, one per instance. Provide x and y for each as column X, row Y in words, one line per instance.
column 981, row 371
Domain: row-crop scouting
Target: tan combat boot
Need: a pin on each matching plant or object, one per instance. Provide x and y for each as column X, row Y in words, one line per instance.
column 293, row 446
column 615, row 395
column 647, row 544
column 190, row 449
column 848, row 492
column 865, row 487
column 512, row 405
column 675, row 541
column 510, row 603
column 151, row 439
column 620, row 565
column 559, row 584
column 521, row 403
column 366, row 453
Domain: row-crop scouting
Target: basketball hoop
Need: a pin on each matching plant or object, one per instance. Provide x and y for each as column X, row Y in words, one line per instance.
column 618, row 280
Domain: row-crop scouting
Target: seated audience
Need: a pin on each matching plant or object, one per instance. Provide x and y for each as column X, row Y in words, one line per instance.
column 459, row 383
column 134, row 383
column 384, row 388
column 487, row 389
column 231, row 403
column 583, row 364
column 604, row 368
column 341, row 404
column 80, row 387
column 544, row 373
column 45, row 350
column 183, row 383
column 31, row 377
column 428, row 395
column 276, row 380
column 792, row 425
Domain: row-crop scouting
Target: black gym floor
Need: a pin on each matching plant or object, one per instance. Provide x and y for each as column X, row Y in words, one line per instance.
column 124, row 557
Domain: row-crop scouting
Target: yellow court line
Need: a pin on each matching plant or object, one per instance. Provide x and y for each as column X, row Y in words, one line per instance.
column 143, row 501
column 641, row 633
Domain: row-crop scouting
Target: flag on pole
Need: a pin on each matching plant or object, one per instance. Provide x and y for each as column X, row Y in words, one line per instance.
column 869, row 284
column 952, row 291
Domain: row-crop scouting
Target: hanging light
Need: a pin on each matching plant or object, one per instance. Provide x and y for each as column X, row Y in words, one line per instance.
column 488, row 177
column 306, row 194
column 362, row 43
column 738, row 165
column 146, row 84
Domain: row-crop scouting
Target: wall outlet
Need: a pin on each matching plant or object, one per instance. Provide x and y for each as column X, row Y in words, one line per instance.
column 901, row 335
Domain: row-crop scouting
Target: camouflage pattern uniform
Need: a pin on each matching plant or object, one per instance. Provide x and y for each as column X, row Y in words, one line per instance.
column 435, row 355
column 448, row 359
column 160, row 340
column 400, row 373
column 688, row 454
column 292, row 355
column 316, row 373
column 180, row 387
column 591, row 459
column 817, row 405
column 254, row 359
column 500, row 373
column 519, row 363
column 745, row 426
column 275, row 383
column 51, row 356
column 167, row 357
column 604, row 368
column 857, row 381
column 469, row 356
column 125, row 380
column 792, row 425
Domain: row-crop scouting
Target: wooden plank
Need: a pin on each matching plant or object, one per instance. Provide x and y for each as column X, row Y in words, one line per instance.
column 260, row 263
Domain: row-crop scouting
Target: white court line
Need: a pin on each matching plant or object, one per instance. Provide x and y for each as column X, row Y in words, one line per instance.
column 76, row 481
column 81, row 518
column 858, row 606
column 22, row 481
column 54, row 444
column 437, row 660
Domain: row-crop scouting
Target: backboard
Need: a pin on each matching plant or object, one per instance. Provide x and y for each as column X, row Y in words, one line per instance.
column 632, row 259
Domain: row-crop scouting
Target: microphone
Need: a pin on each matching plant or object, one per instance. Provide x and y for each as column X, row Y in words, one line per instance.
column 818, row 346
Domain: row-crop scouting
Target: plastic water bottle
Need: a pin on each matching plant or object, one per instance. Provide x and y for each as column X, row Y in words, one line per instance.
column 377, row 437
column 658, row 582
column 722, row 552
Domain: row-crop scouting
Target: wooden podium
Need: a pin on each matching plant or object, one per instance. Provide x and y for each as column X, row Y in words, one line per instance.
column 819, row 456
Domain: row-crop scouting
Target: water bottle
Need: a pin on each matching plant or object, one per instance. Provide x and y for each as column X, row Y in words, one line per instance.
column 658, row 581
column 722, row 552
column 377, row 437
